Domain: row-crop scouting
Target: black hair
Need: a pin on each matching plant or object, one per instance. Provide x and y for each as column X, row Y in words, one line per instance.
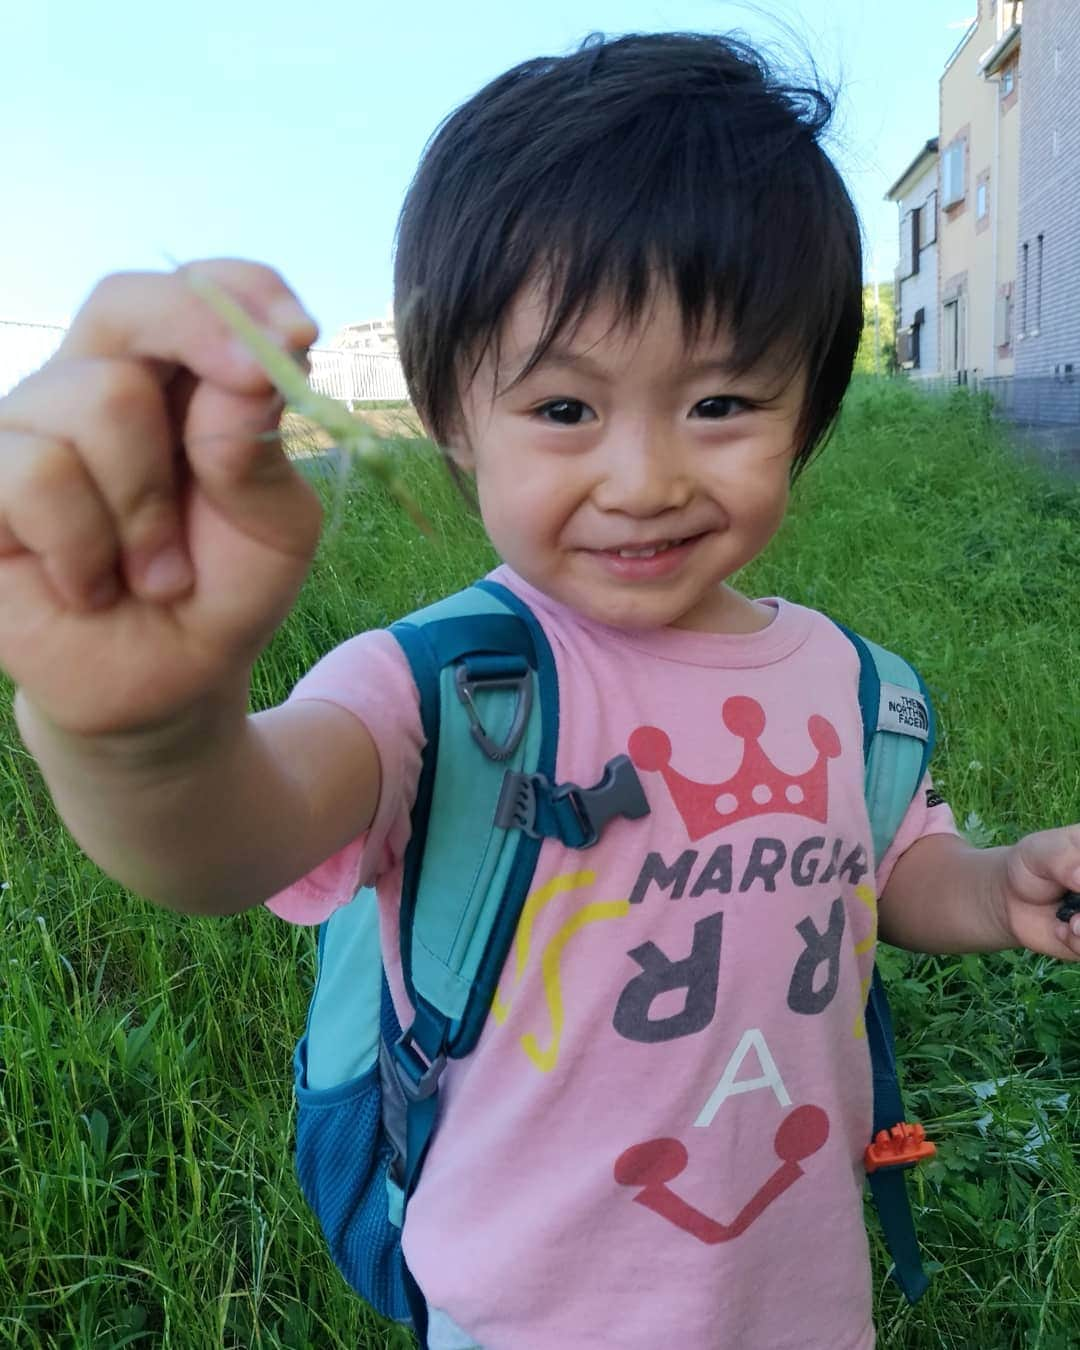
column 671, row 156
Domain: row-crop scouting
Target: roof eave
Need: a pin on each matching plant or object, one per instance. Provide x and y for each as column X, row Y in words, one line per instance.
column 928, row 152
column 991, row 62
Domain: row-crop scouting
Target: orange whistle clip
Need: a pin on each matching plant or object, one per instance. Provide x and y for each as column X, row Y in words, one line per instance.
column 902, row 1144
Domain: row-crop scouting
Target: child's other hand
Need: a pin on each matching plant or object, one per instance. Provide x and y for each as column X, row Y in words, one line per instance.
column 1036, row 871
column 152, row 536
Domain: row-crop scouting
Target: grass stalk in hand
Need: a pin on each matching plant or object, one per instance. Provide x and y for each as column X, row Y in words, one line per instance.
column 355, row 442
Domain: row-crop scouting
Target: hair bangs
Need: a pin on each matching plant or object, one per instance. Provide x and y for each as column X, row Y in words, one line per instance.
column 667, row 160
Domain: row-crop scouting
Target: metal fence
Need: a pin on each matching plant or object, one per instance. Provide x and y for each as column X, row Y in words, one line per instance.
column 351, row 376
column 1035, row 400
column 358, row 377
column 1027, row 400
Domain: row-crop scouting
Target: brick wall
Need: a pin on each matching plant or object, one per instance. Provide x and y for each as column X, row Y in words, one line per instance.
column 1049, row 191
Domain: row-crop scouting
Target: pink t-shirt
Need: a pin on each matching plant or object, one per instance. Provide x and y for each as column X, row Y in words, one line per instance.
column 659, row 1136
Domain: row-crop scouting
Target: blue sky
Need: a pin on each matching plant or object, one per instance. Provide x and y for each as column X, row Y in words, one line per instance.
column 288, row 132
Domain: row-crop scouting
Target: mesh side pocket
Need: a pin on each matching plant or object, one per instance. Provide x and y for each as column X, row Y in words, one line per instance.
column 342, row 1159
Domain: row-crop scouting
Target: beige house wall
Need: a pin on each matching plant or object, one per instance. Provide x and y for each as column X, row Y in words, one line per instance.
column 977, row 257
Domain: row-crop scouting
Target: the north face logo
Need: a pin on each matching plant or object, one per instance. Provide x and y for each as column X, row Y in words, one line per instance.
column 910, row 713
column 903, row 712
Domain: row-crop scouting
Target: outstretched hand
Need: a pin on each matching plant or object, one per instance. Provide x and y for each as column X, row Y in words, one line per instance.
column 152, row 536
column 1038, row 870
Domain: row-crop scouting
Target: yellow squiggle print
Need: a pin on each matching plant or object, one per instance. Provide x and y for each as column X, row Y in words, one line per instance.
column 532, row 907
column 570, row 881
column 545, row 1060
column 869, row 899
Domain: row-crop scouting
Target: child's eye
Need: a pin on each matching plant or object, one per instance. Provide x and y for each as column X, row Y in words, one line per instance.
column 718, row 408
column 566, row 412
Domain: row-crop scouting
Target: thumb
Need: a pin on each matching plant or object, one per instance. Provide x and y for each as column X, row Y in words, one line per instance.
column 1051, row 861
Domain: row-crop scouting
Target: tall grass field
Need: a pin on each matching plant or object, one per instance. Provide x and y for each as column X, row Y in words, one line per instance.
column 147, row 1195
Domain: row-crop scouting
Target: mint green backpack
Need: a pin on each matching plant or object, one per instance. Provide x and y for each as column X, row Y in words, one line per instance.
column 367, row 1089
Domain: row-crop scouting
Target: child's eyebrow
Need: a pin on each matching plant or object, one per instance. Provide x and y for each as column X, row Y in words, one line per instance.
column 561, row 357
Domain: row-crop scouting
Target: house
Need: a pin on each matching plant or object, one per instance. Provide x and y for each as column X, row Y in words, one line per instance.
column 1047, row 319
column 916, row 195
column 979, row 189
column 372, row 335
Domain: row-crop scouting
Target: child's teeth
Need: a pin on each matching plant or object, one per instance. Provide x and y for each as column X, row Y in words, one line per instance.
column 646, row 552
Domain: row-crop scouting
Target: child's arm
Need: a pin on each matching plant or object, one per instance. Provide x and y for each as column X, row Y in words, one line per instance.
column 216, row 816
column 945, row 896
column 151, row 540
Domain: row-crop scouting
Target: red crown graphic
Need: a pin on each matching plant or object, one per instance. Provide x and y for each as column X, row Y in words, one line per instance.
column 757, row 789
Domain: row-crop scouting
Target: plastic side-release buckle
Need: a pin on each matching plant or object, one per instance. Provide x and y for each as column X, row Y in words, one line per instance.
column 575, row 815
column 902, row 1146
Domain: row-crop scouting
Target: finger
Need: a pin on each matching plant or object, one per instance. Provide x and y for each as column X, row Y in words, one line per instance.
column 247, row 474
column 220, row 421
column 53, row 510
column 216, row 391
column 116, row 416
column 1068, row 934
column 159, row 317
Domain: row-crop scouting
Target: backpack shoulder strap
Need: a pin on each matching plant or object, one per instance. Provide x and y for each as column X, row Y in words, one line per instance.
column 487, row 798
column 892, row 700
column 898, row 738
column 489, row 704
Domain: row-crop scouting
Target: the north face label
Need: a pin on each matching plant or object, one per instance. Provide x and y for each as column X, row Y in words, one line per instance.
column 902, row 711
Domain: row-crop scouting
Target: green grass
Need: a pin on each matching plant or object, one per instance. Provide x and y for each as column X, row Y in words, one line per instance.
column 145, row 1117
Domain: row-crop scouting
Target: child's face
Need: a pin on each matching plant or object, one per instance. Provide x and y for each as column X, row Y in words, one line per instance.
column 627, row 476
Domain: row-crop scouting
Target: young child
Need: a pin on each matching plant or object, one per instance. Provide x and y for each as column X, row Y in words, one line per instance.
column 629, row 297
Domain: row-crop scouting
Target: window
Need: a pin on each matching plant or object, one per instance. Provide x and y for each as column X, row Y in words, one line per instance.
column 1003, row 320
column 1008, row 81
column 916, row 329
column 1024, row 291
column 952, row 175
column 916, row 218
column 1038, row 282
column 950, row 337
column 982, row 200
column 928, row 223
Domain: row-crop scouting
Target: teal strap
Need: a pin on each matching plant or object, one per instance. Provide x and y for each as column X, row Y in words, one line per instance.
column 481, row 680
column 887, row 1184
column 475, row 665
column 889, row 1192
column 898, row 737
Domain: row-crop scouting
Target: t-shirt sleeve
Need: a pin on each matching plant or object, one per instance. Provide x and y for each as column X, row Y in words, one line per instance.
column 369, row 677
column 928, row 814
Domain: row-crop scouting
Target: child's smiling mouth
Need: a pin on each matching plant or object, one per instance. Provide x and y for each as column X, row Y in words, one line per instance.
column 647, row 550
column 646, row 561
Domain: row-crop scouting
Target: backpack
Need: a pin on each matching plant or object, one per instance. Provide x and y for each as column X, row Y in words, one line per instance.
column 366, row 1088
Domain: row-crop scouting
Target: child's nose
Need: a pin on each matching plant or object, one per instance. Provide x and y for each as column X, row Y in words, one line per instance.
column 645, row 472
